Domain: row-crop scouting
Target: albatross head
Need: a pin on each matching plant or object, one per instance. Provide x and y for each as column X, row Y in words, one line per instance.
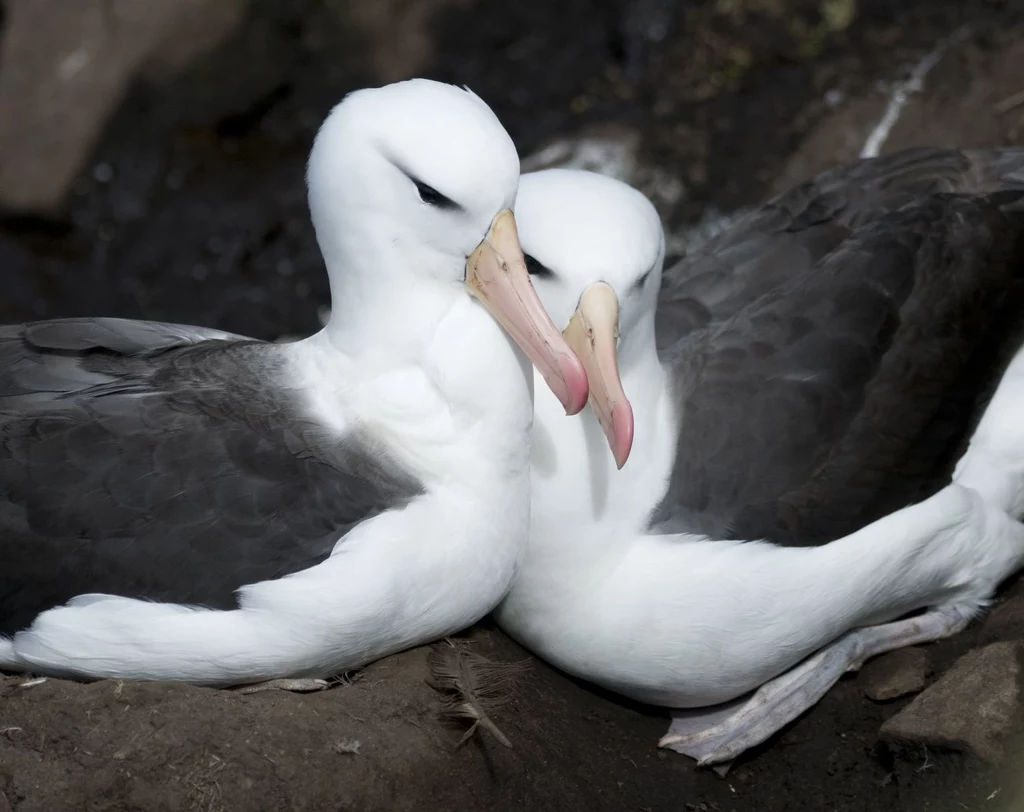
column 594, row 248
column 412, row 188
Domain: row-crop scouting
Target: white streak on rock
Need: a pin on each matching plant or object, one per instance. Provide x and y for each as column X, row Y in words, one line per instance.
column 901, row 93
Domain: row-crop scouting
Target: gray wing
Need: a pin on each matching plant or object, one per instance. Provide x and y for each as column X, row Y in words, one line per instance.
column 159, row 461
column 831, row 356
column 791, row 234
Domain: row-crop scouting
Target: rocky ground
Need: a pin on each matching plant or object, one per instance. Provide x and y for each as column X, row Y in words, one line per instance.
column 151, row 166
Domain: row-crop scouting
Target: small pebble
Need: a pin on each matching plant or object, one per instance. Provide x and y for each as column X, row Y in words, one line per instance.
column 103, row 173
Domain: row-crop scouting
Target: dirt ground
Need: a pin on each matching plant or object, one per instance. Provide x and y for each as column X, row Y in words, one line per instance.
column 379, row 743
column 193, row 209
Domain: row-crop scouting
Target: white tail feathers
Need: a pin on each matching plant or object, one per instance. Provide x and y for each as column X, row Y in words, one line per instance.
column 994, row 462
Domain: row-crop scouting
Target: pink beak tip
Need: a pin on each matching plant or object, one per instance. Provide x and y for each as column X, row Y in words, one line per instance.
column 576, row 386
column 622, row 433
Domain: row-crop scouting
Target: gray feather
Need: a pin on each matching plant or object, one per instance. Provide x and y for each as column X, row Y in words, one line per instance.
column 160, row 461
column 830, row 350
column 472, row 686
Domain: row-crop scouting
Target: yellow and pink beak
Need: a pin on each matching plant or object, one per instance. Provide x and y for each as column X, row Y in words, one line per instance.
column 496, row 275
column 593, row 334
column 578, row 363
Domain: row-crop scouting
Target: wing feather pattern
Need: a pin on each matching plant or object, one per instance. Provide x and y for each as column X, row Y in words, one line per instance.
column 160, row 461
column 831, row 350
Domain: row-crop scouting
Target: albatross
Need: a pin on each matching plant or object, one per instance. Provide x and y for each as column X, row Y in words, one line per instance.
column 827, row 355
column 182, row 503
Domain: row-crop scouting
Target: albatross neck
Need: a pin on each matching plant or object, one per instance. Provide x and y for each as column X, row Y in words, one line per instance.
column 428, row 354
column 388, row 295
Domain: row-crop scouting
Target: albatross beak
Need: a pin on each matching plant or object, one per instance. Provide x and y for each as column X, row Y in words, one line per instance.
column 496, row 275
column 592, row 333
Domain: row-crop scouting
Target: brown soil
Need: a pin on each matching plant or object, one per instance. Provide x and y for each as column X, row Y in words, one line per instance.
column 379, row 743
column 193, row 210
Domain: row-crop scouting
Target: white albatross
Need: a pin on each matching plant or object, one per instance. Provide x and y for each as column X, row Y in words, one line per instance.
column 803, row 330
column 180, row 503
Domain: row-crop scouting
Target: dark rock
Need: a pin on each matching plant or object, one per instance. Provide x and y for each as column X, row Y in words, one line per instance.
column 971, row 708
column 1005, row 623
column 64, row 67
column 970, row 108
column 895, row 674
column 398, row 33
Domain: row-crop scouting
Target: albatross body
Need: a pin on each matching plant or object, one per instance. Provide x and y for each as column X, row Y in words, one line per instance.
column 180, row 503
column 835, row 345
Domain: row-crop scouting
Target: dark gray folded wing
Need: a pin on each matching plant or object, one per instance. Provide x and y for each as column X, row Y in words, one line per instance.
column 832, row 350
column 789, row 235
column 165, row 462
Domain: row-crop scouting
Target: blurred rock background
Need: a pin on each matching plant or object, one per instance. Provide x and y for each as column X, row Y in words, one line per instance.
column 151, row 154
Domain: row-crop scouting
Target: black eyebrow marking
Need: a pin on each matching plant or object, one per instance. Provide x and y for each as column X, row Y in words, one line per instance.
column 428, row 194
column 535, row 268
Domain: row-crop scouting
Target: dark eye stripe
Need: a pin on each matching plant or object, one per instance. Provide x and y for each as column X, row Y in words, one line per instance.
column 432, row 197
column 534, row 268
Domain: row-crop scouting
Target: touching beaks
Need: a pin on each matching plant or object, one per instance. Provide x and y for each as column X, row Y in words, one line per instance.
column 496, row 275
column 593, row 334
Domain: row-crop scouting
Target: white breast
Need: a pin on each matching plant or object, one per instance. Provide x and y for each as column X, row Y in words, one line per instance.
column 573, row 474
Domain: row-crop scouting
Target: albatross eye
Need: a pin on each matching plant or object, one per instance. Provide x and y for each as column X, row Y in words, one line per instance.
column 535, row 268
column 639, row 284
column 432, row 197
